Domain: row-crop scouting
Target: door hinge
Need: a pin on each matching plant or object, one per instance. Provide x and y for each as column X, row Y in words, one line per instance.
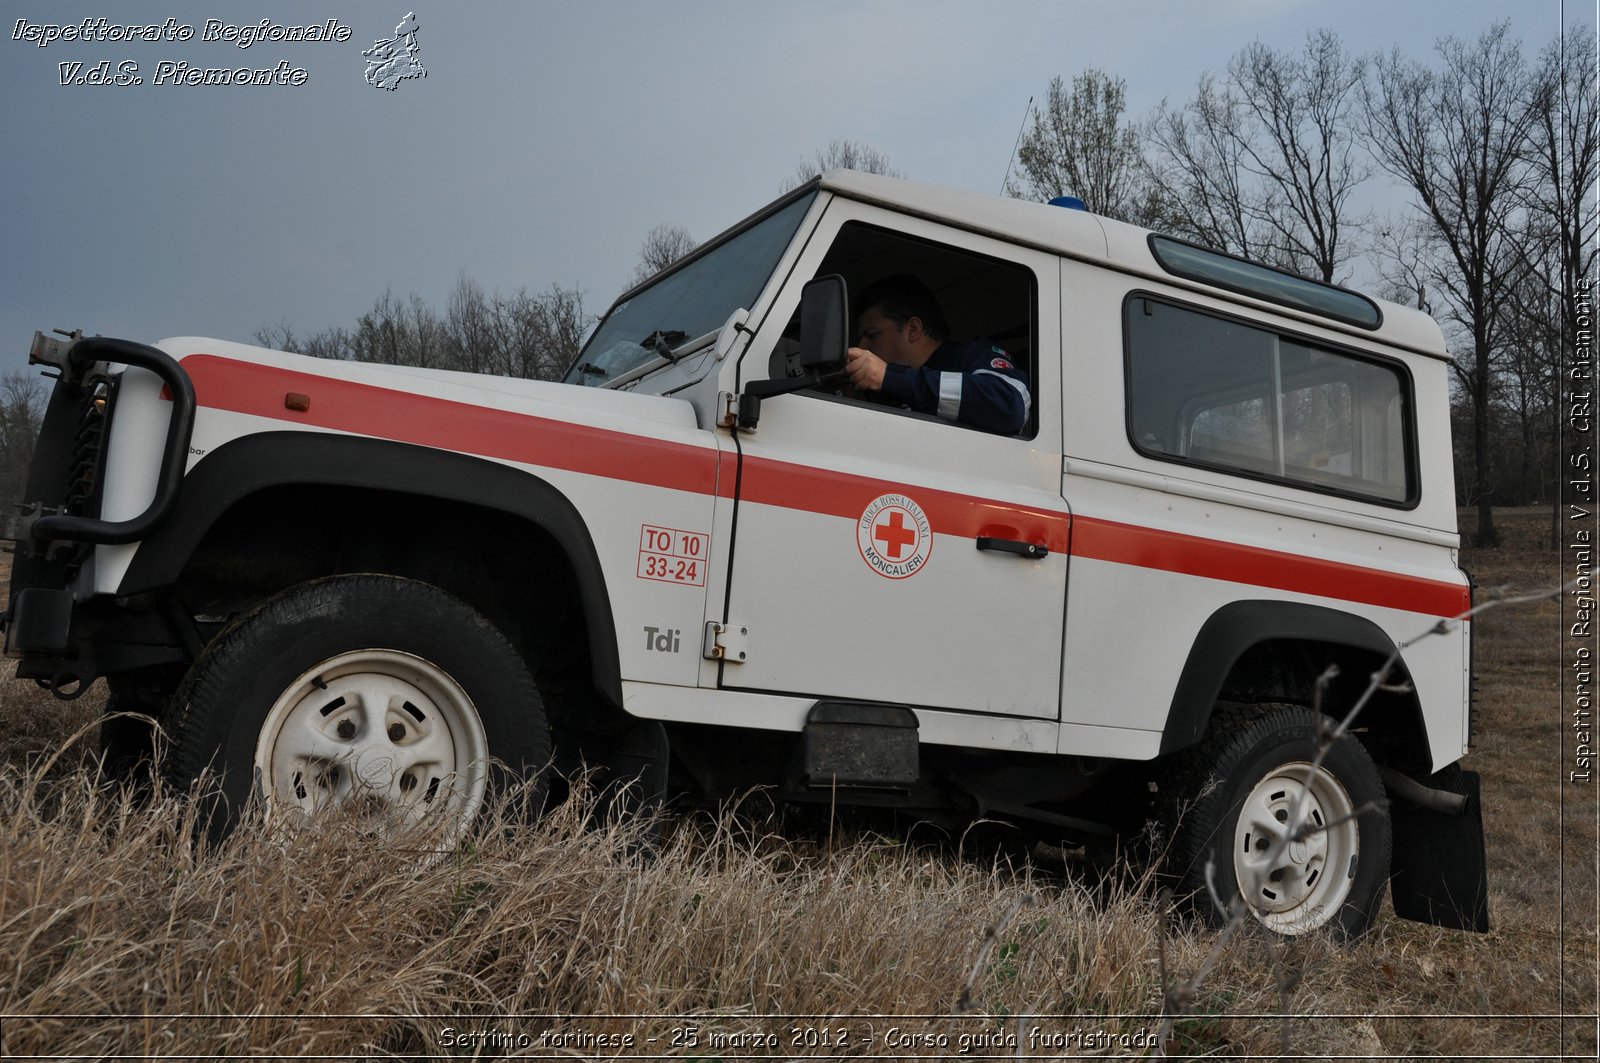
column 726, row 642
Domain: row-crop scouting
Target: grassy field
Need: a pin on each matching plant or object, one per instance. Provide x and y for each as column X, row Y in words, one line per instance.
column 741, row 939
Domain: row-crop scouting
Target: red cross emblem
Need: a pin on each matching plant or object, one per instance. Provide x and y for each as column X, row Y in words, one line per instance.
column 894, row 536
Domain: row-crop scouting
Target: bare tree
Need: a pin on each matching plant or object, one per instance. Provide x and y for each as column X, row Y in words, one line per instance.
column 841, row 154
column 1263, row 162
column 1565, row 157
column 428, row 334
column 401, row 333
column 1527, row 425
column 1079, row 144
column 1402, row 247
column 469, row 319
column 663, row 245
column 522, row 335
column 537, row 335
column 279, row 337
column 380, row 333
column 1197, row 159
column 22, row 404
column 332, row 343
column 1299, row 147
column 1456, row 137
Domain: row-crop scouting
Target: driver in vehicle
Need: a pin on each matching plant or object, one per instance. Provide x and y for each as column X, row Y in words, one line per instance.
column 906, row 358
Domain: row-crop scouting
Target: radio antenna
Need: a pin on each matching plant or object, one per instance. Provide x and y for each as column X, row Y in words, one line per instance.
column 1007, row 179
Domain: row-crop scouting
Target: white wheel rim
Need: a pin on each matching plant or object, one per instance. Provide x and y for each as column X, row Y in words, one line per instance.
column 385, row 735
column 1295, row 881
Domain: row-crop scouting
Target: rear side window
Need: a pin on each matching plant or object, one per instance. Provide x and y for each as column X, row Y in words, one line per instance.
column 1219, row 393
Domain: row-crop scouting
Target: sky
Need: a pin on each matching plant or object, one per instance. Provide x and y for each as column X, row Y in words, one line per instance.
column 546, row 139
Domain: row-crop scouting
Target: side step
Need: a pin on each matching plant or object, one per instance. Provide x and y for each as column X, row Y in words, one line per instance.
column 859, row 744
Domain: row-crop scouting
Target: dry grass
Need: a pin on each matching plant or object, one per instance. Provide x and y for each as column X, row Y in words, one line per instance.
column 119, row 937
column 111, row 914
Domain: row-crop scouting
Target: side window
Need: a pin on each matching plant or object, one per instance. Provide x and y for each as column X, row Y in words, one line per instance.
column 984, row 301
column 1214, row 392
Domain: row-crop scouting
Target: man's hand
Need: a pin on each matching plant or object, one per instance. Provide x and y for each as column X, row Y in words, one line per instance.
column 865, row 369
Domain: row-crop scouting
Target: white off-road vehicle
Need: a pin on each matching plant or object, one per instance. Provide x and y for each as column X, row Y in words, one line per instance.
column 705, row 564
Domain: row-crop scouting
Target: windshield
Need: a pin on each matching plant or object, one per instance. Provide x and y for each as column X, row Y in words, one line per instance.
column 689, row 301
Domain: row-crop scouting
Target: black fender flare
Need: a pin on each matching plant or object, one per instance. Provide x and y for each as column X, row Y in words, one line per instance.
column 243, row 466
column 1231, row 631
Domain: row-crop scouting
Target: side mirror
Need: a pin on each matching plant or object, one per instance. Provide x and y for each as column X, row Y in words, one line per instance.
column 824, row 338
column 824, row 324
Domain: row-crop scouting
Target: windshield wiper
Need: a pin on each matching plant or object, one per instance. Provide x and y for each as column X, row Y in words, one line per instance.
column 662, row 341
column 590, row 369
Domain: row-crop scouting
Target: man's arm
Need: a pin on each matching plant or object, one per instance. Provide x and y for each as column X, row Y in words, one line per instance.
column 979, row 385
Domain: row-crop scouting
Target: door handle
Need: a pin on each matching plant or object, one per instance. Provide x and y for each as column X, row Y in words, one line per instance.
column 1012, row 546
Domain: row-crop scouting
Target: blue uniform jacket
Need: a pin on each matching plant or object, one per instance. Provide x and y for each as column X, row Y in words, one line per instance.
column 975, row 383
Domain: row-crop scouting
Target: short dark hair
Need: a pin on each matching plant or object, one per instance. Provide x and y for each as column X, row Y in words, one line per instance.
column 900, row 298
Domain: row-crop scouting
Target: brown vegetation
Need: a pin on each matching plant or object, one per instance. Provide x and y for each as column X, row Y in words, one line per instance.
column 117, row 936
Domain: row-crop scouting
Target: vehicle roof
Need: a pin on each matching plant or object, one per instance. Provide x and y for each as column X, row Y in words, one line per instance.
column 1105, row 241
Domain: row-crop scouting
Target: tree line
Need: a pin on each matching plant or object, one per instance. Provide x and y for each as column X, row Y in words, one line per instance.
column 533, row 335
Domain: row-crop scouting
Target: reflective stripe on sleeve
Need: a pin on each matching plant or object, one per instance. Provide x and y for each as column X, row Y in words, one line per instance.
column 949, row 395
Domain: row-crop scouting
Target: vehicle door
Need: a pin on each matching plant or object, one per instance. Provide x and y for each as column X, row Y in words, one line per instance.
column 890, row 556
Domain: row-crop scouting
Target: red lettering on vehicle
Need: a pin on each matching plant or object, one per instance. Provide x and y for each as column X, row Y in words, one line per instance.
column 672, row 555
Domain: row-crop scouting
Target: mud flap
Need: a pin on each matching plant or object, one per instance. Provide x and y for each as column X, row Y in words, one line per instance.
column 1439, row 870
column 632, row 769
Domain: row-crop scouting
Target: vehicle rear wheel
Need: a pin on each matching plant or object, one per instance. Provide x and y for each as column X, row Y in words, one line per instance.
column 383, row 698
column 1305, row 843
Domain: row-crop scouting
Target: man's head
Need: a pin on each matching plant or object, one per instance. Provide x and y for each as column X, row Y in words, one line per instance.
column 900, row 320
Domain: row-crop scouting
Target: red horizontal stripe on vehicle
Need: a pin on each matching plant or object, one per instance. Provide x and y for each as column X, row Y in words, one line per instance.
column 366, row 409
column 1128, row 544
column 778, row 483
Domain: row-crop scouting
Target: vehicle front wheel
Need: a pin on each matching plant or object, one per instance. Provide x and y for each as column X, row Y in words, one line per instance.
column 1305, row 842
column 385, row 698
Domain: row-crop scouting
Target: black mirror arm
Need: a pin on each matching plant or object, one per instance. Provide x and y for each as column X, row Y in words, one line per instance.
column 750, row 398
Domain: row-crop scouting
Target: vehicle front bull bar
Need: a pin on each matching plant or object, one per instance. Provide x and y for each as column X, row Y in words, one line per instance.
column 76, row 359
